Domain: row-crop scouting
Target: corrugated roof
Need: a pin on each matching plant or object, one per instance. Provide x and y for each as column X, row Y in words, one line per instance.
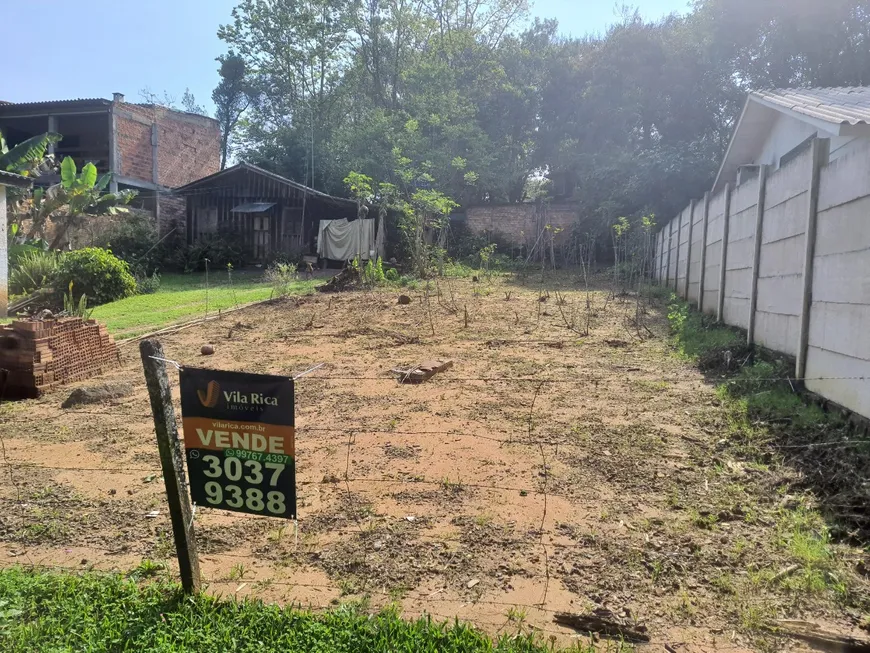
column 11, row 179
column 260, row 171
column 844, row 105
column 56, row 102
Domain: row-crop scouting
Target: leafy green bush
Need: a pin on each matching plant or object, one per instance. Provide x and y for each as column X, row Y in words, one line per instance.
column 134, row 240
column 97, row 273
column 373, row 273
column 392, row 275
column 220, row 249
column 31, row 271
column 147, row 285
column 281, row 276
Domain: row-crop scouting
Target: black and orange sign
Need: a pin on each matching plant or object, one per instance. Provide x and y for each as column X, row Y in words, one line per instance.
column 240, row 441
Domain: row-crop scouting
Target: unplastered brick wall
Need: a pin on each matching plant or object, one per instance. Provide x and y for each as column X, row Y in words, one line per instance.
column 188, row 146
column 521, row 224
column 172, row 215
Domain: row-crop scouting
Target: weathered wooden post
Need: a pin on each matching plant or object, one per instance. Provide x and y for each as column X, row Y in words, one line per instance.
column 180, row 512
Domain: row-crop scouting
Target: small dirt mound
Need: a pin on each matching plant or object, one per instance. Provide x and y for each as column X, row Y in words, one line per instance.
column 95, row 394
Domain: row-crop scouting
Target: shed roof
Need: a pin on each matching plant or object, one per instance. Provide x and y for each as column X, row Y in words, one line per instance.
column 207, row 181
column 842, row 111
column 12, row 179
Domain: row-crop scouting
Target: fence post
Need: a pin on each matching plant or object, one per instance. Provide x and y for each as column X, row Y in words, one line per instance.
column 692, row 206
column 172, row 463
column 820, row 154
column 670, row 246
column 703, row 272
column 756, row 256
column 677, row 264
column 726, row 221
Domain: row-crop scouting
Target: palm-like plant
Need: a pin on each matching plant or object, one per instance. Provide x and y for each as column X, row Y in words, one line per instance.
column 28, row 158
column 78, row 194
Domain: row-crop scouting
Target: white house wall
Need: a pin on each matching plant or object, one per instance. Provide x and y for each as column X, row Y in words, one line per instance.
column 785, row 135
column 788, row 132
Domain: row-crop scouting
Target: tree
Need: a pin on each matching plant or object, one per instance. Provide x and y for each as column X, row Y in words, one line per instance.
column 231, row 97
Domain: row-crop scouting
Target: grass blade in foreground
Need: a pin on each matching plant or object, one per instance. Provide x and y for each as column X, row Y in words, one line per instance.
column 47, row 611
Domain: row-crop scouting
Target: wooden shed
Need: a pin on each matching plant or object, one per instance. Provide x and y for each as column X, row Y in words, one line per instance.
column 269, row 213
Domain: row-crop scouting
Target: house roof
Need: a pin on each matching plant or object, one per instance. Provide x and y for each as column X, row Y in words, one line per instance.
column 842, row 111
column 206, row 181
column 848, row 105
column 12, row 179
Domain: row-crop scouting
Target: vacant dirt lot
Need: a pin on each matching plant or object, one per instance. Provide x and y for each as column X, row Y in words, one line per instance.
column 547, row 471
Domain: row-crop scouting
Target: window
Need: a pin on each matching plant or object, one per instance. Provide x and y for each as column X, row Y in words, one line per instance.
column 207, row 220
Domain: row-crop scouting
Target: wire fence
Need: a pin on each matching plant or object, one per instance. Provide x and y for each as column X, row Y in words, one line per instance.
column 545, row 447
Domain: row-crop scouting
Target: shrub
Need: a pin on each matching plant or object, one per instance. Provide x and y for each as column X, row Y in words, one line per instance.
column 147, row 285
column 133, row 239
column 392, row 275
column 97, row 273
column 32, row 270
column 220, row 249
column 373, row 273
column 281, row 276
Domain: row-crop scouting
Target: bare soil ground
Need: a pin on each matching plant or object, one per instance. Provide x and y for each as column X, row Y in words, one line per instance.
column 547, row 471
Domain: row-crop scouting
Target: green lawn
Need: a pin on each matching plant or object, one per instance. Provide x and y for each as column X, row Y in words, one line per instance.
column 182, row 297
column 47, row 611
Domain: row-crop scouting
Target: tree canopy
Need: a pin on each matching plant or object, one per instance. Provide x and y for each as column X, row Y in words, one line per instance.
column 488, row 101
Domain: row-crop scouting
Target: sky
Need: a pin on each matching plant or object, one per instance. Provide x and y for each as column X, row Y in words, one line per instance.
column 170, row 45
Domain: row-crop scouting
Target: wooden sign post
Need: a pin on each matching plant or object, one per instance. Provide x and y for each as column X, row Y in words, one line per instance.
column 172, row 462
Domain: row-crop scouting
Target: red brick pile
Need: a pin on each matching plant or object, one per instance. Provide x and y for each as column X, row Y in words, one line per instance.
column 38, row 355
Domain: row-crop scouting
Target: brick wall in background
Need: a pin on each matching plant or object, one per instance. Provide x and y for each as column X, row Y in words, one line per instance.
column 134, row 148
column 172, row 215
column 521, row 224
column 188, row 145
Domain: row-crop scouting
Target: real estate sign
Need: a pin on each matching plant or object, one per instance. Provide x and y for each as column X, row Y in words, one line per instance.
column 239, row 439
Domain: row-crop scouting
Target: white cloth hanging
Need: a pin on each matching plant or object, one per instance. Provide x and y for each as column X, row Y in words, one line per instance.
column 345, row 240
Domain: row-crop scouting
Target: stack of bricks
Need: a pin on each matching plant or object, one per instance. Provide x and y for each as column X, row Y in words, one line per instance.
column 38, row 355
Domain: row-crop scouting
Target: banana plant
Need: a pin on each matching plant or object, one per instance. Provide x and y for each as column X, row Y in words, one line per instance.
column 67, row 204
column 28, row 158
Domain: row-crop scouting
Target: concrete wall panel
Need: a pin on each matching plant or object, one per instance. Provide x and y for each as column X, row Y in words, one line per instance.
column 844, row 229
column 789, row 181
column 841, row 328
column 781, row 294
column 843, row 278
column 785, row 220
column 782, row 258
column 845, row 180
column 744, row 196
column 839, row 319
column 736, row 312
column 777, row 332
column 852, row 393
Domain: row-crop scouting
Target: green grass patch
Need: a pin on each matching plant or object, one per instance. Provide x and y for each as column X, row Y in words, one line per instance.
column 183, row 297
column 46, row 611
column 697, row 334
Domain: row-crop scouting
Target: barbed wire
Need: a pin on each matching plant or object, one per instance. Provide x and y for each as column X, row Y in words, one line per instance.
column 522, row 625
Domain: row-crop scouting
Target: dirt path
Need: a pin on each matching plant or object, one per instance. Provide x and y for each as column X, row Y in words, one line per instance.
column 546, row 471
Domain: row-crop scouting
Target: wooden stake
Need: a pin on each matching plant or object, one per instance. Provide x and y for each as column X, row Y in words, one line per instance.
column 172, row 462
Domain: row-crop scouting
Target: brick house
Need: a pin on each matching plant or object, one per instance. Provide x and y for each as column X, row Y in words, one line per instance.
column 147, row 147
